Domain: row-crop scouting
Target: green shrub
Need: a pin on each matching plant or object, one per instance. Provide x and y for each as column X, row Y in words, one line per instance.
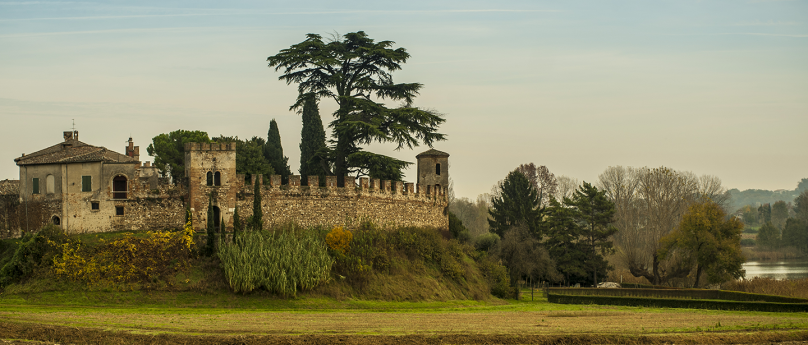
column 496, row 275
column 486, row 241
column 280, row 261
column 748, row 242
column 457, row 229
column 35, row 250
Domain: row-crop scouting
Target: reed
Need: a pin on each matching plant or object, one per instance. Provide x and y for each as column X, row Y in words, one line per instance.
column 790, row 288
column 282, row 261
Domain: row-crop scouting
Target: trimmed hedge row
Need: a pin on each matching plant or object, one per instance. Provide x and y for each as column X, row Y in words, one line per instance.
column 680, row 294
column 677, row 303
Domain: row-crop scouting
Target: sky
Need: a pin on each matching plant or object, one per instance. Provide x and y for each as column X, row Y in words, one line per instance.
column 712, row 87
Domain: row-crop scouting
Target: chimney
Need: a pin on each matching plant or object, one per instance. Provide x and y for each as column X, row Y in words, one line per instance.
column 68, row 135
column 132, row 150
column 75, row 135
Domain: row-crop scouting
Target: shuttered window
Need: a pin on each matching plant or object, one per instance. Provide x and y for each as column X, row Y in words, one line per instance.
column 35, row 183
column 86, row 183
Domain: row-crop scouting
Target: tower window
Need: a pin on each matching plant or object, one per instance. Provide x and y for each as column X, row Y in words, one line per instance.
column 95, row 206
column 210, row 178
column 217, row 179
column 437, row 169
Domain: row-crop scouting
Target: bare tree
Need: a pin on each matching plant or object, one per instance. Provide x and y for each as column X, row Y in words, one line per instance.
column 542, row 179
column 473, row 214
column 566, row 187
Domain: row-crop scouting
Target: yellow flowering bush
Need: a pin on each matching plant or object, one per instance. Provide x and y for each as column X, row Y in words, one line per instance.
column 127, row 259
column 339, row 239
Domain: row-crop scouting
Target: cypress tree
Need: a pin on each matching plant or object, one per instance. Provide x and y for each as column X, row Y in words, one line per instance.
column 211, row 229
column 312, row 139
column 273, row 151
column 258, row 214
column 236, row 224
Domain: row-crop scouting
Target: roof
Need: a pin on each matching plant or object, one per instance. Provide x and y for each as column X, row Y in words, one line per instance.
column 72, row 151
column 432, row 153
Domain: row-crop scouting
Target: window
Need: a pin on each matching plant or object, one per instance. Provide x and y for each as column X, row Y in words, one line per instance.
column 35, row 184
column 86, row 183
column 119, row 210
column 119, row 187
column 95, row 206
column 56, row 221
column 50, row 184
column 217, row 179
column 210, row 178
column 437, row 169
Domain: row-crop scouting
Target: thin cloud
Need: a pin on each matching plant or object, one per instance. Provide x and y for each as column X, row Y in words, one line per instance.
column 219, row 13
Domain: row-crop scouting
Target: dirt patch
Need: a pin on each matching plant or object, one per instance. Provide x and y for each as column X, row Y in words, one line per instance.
column 17, row 333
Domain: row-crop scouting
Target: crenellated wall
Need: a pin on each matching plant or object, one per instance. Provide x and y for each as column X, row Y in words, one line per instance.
column 384, row 203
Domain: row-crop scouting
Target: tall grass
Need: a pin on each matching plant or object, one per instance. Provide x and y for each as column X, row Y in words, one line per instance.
column 280, row 261
column 790, row 288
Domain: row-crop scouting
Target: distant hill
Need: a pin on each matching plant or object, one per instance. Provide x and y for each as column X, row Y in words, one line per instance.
column 756, row 197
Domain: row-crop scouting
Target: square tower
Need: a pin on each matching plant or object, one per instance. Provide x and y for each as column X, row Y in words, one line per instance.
column 433, row 169
column 210, row 170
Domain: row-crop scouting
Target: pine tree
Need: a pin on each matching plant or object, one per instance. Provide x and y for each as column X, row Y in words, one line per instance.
column 312, row 139
column 563, row 241
column 595, row 215
column 517, row 204
column 273, row 151
column 211, row 229
column 258, row 214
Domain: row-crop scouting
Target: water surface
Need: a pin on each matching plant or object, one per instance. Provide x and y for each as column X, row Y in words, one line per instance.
column 777, row 269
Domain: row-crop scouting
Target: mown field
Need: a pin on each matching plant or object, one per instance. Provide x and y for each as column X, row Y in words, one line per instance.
column 252, row 320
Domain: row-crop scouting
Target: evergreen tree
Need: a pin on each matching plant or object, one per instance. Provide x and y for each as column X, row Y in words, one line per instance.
column 595, row 215
column 563, row 242
column 356, row 72
column 258, row 214
column 517, row 203
column 222, row 228
column 273, row 151
column 795, row 234
column 236, row 223
column 211, row 229
column 312, row 140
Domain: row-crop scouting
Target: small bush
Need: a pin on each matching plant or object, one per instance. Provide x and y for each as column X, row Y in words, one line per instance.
column 747, row 242
column 35, row 251
column 497, row 277
column 339, row 239
column 487, row 241
column 457, row 229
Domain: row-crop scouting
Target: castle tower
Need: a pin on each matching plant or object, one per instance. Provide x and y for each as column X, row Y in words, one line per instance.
column 210, row 170
column 433, row 170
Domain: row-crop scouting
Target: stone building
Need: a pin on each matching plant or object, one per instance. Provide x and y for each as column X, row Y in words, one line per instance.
column 86, row 188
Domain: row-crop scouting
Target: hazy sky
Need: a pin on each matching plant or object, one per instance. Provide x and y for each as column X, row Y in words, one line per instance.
column 713, row 87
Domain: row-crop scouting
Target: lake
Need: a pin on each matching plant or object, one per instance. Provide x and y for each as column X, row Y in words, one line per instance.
column 780, row 269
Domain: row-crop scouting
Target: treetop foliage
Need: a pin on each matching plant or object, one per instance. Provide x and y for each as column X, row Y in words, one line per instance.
column 517, row 204
column 169, row 151
column 355, row 72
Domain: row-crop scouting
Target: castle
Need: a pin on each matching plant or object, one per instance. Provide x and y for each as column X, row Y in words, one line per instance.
column 84, row 188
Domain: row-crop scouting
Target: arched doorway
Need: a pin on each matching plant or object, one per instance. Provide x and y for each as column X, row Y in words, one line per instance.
column 56, row 220
column 119, row 187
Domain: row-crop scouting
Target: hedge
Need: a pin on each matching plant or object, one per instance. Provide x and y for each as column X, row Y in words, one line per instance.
column 679, row 294
column 677, row 303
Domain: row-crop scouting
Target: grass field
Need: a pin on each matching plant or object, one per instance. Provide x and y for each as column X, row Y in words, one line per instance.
column 105, row 318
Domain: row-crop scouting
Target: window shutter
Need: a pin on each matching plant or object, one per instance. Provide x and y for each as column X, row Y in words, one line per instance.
column 86, row 183
column 35, row 185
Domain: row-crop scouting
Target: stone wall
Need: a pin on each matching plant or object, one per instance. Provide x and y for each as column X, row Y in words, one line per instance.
column 384, row 203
